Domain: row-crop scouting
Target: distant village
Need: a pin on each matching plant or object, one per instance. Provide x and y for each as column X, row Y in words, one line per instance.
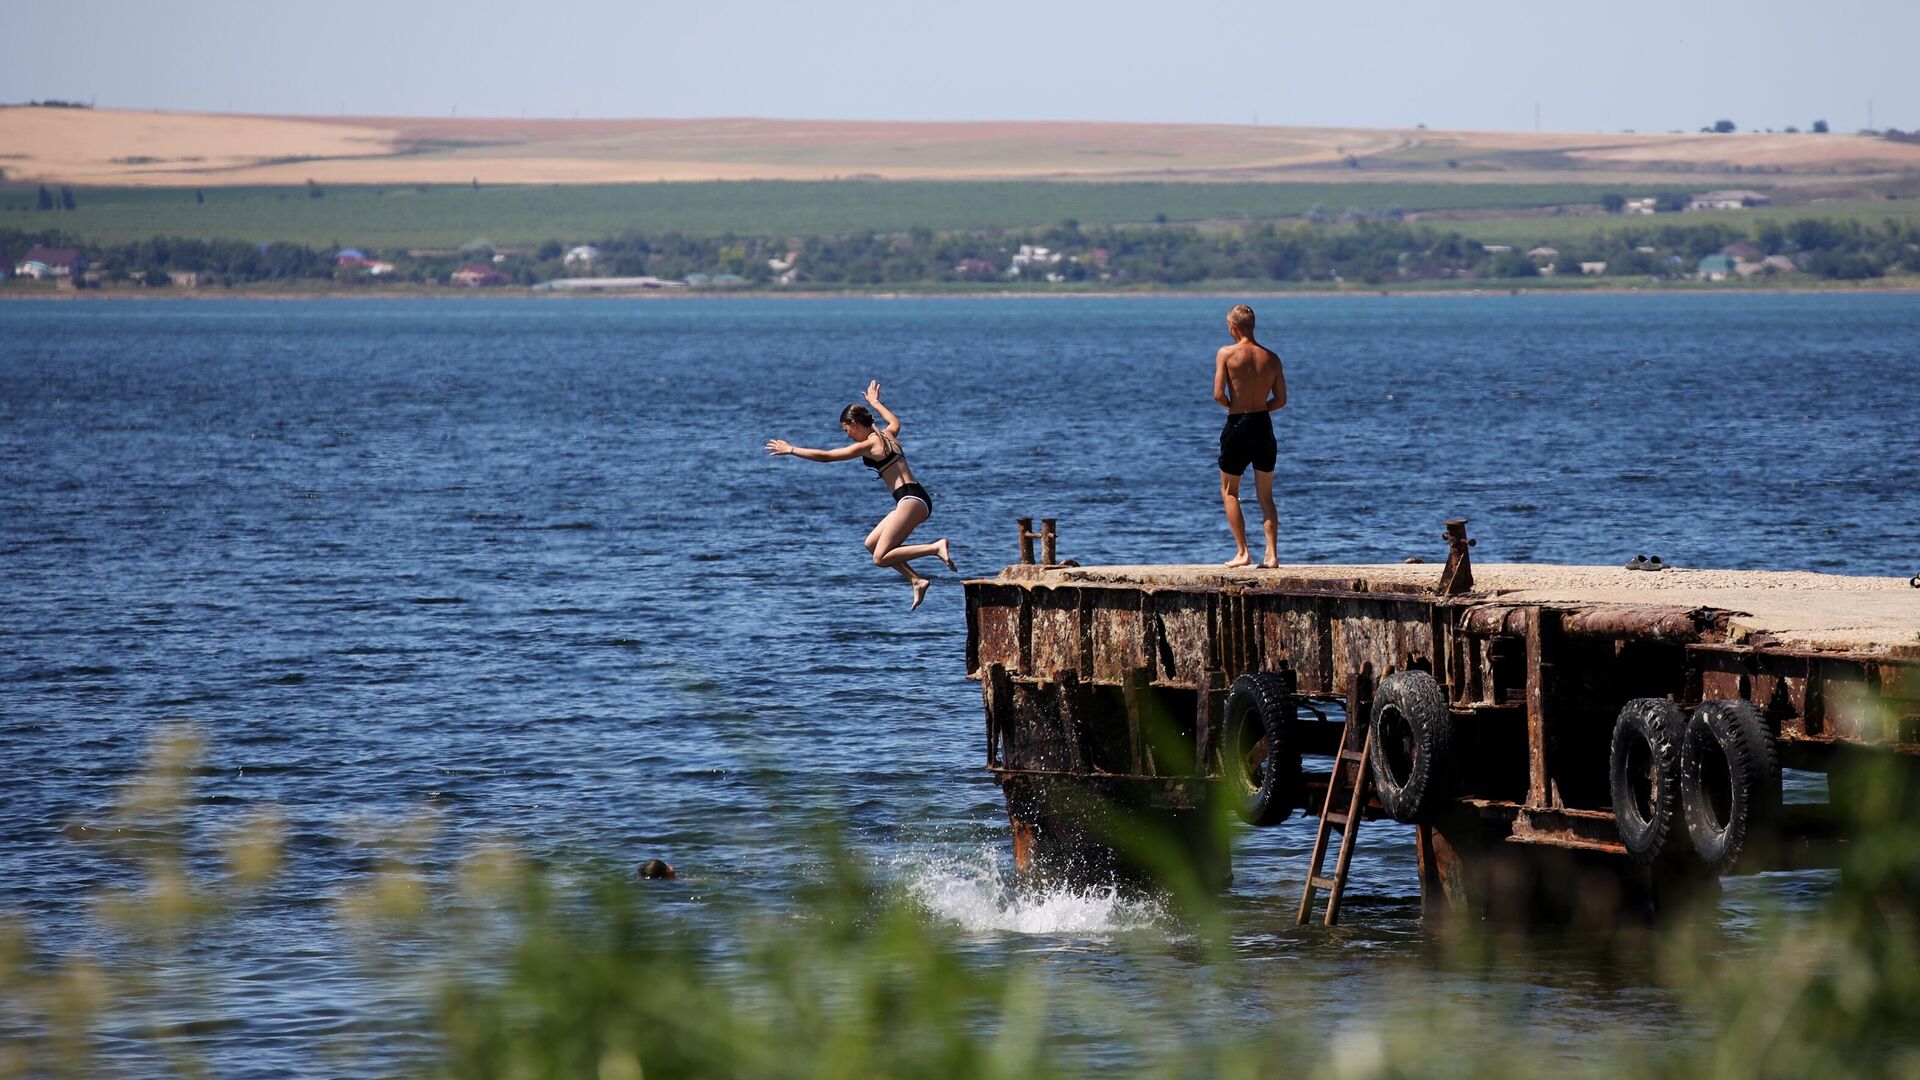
column 1711, row 249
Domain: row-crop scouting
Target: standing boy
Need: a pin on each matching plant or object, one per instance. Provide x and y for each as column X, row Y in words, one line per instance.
column 1249, row 384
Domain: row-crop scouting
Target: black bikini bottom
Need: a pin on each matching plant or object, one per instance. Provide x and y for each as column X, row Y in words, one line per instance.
column 914, row 491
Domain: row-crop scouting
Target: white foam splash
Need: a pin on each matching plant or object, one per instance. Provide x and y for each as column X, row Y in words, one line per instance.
column 977, row 897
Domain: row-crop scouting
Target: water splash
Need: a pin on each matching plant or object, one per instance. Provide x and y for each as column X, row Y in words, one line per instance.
column 978, row 895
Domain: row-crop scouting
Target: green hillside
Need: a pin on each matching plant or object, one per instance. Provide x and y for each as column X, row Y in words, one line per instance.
column 393, row 216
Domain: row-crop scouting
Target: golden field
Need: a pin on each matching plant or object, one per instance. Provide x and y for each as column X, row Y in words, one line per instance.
column 161, row 149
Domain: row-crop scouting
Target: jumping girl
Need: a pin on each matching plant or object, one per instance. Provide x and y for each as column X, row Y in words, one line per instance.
column 879, row 448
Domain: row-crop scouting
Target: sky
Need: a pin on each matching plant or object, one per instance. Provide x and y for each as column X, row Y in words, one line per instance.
column 1466, row 64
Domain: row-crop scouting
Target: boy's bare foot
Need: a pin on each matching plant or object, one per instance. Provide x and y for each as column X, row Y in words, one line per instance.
column 1271, row 562
column 1242, row 559
column 920, row 591
column 947, row 557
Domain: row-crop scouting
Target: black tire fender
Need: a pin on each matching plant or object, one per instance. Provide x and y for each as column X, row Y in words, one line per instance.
column 1729, row 780
column 1412, row 745
column 1259, row 759
column 1643, row 770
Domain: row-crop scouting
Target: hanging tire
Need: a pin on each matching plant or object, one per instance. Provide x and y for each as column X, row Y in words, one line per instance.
column 1644, row 774
column 1729, row 780
column 1412, row 745
column 1261, row 762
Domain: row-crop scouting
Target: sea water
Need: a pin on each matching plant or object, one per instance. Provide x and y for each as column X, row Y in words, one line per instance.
column 523, row 570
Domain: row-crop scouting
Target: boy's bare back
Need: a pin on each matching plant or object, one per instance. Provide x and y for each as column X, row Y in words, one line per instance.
column 1251, row 377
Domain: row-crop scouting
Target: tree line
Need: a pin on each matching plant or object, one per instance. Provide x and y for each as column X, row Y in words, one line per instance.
column 1369, row 252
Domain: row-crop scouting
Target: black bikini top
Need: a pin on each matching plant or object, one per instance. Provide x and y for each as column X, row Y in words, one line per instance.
column 893, row 455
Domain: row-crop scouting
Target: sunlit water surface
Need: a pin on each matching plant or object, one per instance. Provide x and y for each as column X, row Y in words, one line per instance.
column 521, row 569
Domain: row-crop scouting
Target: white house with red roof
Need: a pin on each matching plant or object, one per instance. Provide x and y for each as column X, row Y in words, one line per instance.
column 477, row 275
column 41, row 263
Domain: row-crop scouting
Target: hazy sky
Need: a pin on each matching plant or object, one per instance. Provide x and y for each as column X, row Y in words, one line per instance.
column 1603, row 65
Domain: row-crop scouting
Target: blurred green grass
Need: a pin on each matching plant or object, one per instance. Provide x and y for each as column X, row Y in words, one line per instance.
column 524, row 971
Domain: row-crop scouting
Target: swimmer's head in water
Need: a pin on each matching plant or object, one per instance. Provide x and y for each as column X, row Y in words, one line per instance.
column 1241, row 319
column 656, row 870
column 854, row 417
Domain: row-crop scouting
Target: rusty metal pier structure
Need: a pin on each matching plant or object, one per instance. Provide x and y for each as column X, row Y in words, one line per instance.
column 1563, row 739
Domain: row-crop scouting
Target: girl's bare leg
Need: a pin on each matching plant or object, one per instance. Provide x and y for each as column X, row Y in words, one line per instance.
column 888, row 550
column 873, row 541
column 906, row 553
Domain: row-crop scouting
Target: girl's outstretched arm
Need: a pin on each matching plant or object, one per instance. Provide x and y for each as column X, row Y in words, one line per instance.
column 873, row 399
column 779, row 447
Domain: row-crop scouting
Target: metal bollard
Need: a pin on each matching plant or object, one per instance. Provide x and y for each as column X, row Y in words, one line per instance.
column 1457, row 578
column 1046, row 536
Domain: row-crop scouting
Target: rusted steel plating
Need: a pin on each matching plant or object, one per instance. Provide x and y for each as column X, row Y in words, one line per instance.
column 1113, row 684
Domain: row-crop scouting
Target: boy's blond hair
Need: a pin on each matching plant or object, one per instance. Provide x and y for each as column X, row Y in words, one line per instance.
column 1241, row 319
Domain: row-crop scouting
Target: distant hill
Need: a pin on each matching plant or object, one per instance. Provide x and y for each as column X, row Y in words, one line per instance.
column 130, row 148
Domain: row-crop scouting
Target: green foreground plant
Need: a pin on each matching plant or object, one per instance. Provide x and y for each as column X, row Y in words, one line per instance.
column 565, row 972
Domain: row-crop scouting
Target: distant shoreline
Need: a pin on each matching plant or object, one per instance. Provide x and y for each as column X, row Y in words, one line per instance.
column 685, row 295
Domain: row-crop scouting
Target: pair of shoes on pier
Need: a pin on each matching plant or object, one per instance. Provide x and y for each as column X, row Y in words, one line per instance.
column 1642, row 562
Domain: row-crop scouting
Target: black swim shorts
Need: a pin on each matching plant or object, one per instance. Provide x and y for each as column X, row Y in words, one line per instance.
column 1247, row 439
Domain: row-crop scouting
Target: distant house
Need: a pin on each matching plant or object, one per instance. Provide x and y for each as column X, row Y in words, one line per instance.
column 1727, row 200
column 1645, row 205
column 41, row 263
column 477, row 275
column 582, row 255
column 1593, row 269
column 1495, row 249
column 1544, row 252
column 184, row 279
column 1714, row 268
column 354, row 259
column 1032, row 255
column 607, row 284
column 974, row 268
column 1780, row 264
column 785, row 263
column 1748, row 259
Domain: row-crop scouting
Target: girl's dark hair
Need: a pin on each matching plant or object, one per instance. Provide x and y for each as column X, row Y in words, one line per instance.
column 856, row 414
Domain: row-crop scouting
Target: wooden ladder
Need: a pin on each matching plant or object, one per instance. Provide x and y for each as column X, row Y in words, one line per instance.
column 1357, row 786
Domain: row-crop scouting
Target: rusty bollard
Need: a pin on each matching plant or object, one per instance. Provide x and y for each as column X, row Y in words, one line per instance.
column 1457, row 578
column 1045, row 536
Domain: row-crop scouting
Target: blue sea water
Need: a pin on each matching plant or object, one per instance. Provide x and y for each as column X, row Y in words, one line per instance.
column 522, row 570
